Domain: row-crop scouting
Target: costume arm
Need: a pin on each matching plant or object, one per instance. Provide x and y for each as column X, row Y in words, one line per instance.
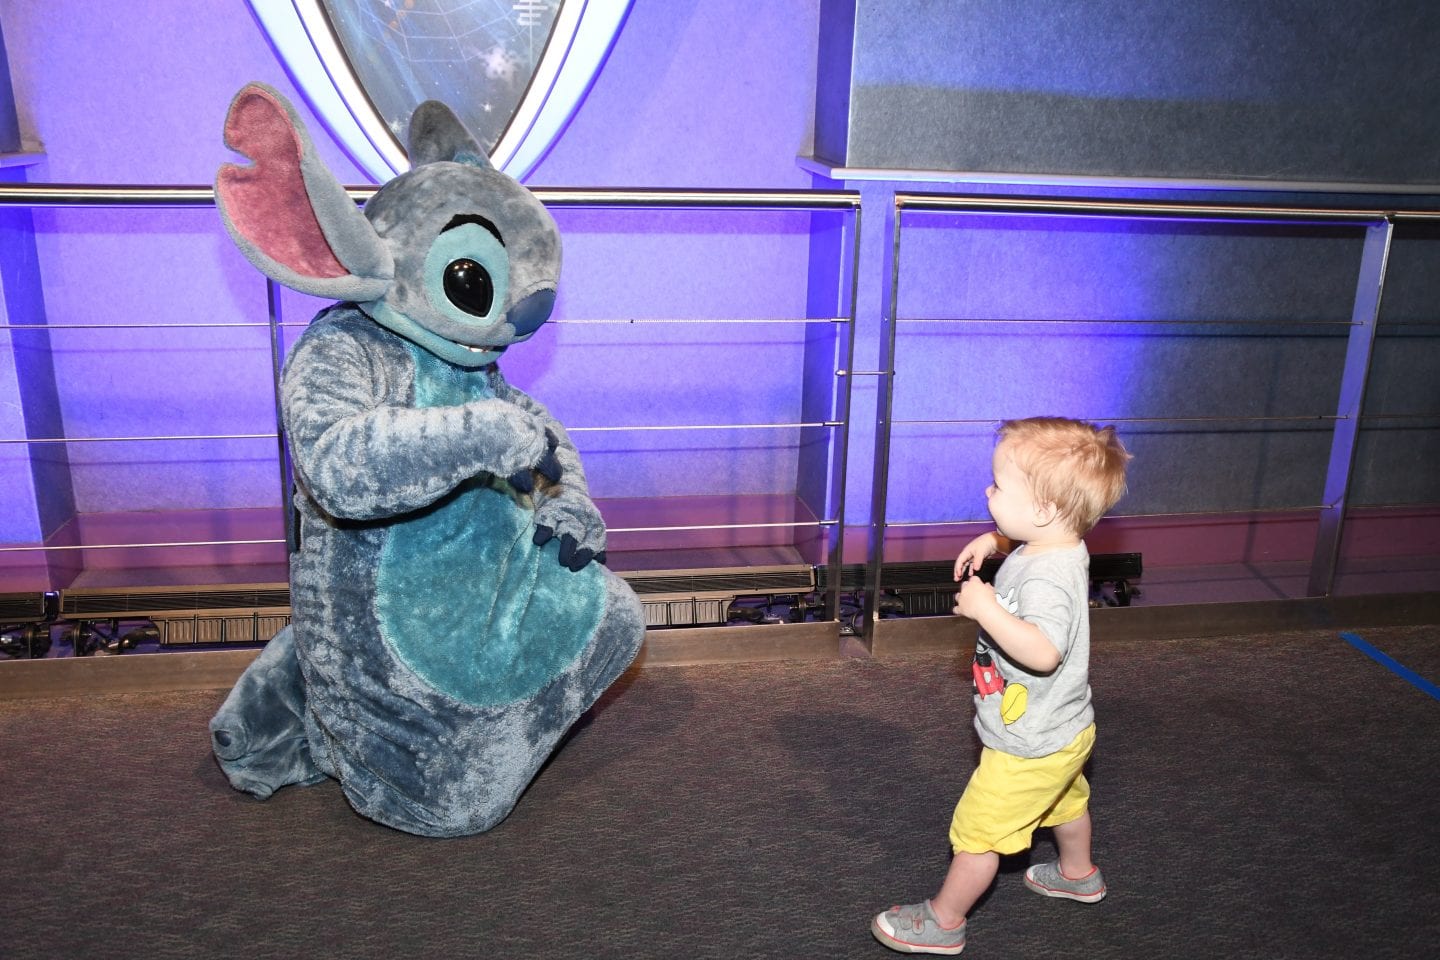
column 363, row 453
column 572, row 474
column 563, row 510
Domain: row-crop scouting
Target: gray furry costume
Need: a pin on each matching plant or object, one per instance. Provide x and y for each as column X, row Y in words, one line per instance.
column 451, row 616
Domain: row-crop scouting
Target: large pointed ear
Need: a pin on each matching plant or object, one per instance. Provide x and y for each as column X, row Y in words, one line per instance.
column 289, row 215
column 437, row 134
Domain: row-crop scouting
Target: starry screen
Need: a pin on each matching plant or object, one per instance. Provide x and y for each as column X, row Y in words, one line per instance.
column 478, row 56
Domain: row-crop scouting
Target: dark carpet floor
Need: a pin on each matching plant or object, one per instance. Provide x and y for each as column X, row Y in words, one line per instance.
column 1254, row 797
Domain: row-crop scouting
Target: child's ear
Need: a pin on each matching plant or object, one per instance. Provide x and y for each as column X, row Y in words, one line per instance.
column 1045, row 513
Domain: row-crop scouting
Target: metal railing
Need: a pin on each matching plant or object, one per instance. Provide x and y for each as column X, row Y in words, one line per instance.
column 1376, row 224
column 835, row 422
column 1378, row 232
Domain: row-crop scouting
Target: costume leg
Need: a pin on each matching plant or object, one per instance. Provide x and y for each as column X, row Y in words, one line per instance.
column 258, row 734
column 617, row 641
column 493, row 754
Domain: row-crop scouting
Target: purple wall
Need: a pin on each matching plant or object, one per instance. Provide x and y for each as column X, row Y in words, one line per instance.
column 696, row 93
column 693, row 95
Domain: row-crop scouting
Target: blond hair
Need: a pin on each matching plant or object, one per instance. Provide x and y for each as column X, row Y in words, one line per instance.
column 1077, row 466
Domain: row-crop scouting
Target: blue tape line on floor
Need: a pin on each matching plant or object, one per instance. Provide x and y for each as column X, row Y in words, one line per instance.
column 1389, row 663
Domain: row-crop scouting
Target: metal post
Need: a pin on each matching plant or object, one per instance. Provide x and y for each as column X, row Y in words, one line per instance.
column 1364, row 317
column 840, row 443
column 890, row 281
column 277, row 363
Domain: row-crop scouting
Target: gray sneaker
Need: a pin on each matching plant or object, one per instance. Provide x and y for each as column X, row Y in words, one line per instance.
column 1047, row 880
column 914, row 929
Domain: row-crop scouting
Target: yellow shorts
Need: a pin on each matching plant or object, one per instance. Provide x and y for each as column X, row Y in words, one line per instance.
column 1008, row 797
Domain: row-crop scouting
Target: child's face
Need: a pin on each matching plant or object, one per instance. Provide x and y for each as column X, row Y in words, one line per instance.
column 1012, row 505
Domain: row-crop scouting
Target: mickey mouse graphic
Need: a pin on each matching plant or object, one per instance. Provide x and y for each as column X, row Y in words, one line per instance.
column 987, row 676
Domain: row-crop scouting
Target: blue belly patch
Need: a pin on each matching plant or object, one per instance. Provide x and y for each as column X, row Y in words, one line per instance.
column 464, row 597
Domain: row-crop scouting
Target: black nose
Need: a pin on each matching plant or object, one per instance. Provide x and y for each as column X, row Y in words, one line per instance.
column 527, row 315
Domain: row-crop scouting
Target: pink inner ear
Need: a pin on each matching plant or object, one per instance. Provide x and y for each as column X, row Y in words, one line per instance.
column 267, row 202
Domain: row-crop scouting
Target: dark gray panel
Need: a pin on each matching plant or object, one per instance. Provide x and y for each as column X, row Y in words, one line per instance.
column 1288, row 91
column 1096, row 374
column 1199, row 469
column 1403, row 373
column 939, row 472
column 1126, row 321
column 996, row 267
column 1396, row 465
column 1397, row 455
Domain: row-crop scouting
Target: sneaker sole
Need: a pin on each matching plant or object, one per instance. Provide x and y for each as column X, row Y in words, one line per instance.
column 1045, row 891
column 903, row 947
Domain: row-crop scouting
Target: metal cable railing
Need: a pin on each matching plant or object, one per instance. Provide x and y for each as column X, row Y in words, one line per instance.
column 845, row 202
column 1378, row 226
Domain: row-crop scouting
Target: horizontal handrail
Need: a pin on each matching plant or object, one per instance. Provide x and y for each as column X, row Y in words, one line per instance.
column 662, row 198
column 141, row 195
column 1286, row 418
column 1237, row 511
column 701, row 321
column 47, row 548
column 98, row 195
column 120, row 195
column 725, row 526
column 633, row 428
column 1036, row 206
column 149, row 326
column 705, row 426
column 195, row 436
column 301, row 324
column 1134, row 321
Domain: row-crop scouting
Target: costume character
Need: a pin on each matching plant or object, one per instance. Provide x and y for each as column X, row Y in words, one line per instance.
column 451, row 614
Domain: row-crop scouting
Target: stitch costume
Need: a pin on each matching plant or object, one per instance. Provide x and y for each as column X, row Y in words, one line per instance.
column 451, row 616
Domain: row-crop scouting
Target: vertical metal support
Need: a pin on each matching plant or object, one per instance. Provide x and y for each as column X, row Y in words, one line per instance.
column 840, row 443
column 825, row 393
column 890, row 273
column 1365, row 316
column 277, row 363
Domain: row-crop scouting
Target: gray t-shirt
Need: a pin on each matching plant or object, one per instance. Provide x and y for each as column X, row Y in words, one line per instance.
column 1037, row 714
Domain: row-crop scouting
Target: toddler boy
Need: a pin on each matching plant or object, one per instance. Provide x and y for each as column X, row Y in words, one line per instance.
column 1053, row 480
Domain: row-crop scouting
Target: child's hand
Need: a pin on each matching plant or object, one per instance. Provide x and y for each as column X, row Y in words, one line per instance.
column 975, row 597
column 975, row 553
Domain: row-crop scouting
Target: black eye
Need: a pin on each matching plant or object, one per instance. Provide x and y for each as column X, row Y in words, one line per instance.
column 469, row 287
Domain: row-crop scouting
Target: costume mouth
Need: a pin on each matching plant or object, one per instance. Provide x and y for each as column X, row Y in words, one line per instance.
column 485, row 349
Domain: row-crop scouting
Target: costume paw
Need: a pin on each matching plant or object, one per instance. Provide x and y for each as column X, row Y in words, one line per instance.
column 572, row 517
column 522, row 480
column 548, row 467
